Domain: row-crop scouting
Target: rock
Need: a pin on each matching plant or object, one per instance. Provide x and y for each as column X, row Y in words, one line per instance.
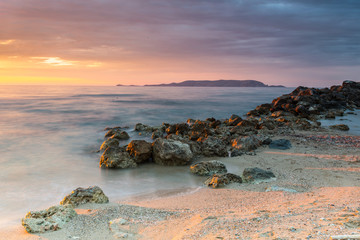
column 236, row 153
column 51, row 219
column 85, row 195
column 248, row 143
column 213, row 146
column 111, row 131
column 219, row 180
column 109, row 143
column 257, row 174
column 234, row 120
column 121, row 135
column 282, row 144
column 341, row 127
column 171, row 152
column 116, row 158
column 157, row 134
column 140, row 150
column 208, row 168
column 139, row 127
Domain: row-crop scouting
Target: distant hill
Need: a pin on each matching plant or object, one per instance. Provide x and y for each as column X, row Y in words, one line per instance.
column 216, row 83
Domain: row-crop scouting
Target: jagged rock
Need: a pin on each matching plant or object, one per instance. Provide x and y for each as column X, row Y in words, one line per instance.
column 171, row 153
column 208, row 168
column 140, row 150
column 303, row 124
column 256, row 174
column 219, row 180
column 139, row 127
column 341, row 127
column 121, row 135
column 234, row 120
column 111, row 131
column 243, row 129
column 247, row 143
column 268, row 124
column 213, row 146
column 116, row 158
column 110, row 143
column 85, row 195
column 51, row 219
column 282, row 144
column 157, row 134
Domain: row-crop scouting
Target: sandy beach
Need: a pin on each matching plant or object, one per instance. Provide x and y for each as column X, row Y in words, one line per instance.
column 315, row 196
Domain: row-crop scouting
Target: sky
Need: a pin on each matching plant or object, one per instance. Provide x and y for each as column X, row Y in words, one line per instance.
column 108, row 42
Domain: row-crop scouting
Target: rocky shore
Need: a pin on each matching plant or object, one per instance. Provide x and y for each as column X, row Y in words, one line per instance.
column 294, row 180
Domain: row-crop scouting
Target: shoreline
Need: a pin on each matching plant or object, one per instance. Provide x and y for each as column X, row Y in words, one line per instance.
column 320, row 163
column 326, row 199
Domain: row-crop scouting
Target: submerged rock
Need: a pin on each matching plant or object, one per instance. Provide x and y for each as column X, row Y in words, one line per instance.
column 139, row 127
column 171, row 153
column 208, row 168
column 341, row 127
column 85, row 195
column 257, row 174
column 116, row 158
column 51, row 219
column 140, row 150
column 282, row 144
column 219, row 180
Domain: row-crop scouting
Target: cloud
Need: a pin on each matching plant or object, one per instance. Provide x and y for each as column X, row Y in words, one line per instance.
column 7, row 42
column 286, row 33
column 54, row 61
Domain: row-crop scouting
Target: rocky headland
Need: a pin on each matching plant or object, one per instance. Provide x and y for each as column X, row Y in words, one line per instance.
column 215, row 83
column 295, row 180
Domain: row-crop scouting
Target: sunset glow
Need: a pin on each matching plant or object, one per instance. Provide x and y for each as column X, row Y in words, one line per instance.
column 140, row 42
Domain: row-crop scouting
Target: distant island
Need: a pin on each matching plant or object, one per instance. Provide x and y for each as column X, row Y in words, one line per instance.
column 213, row 83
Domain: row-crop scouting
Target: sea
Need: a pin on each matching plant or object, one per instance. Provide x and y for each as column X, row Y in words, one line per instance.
column 49, row 136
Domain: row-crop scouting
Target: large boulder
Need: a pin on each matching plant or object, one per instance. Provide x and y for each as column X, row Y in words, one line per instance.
column 213, row 146
column 85, row 195
column 171, row 152
column 247, row 143
column 51, row 219
column 140, row 150
column 257, row 174
column 208, row 168
column 219, row 180
column 116, row 158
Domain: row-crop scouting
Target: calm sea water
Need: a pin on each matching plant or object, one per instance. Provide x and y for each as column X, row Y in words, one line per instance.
column 47, row 134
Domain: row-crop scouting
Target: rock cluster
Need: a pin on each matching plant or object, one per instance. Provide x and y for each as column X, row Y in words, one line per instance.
column 56, row 217
column 304, row 106
column 181, row 143
column 249, row 175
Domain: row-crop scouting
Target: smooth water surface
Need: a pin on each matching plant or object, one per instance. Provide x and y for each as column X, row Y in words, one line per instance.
column 48, row 134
